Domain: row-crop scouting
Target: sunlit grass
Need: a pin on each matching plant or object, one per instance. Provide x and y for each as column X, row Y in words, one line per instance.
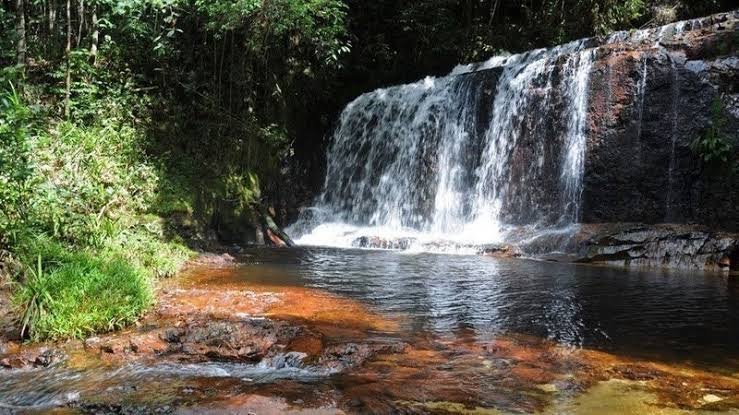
column 76, row 294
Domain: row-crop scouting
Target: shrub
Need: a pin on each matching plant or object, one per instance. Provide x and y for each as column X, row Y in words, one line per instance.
column 715, row 146
column 73, row 294
column 75, row 198
column 14, row 169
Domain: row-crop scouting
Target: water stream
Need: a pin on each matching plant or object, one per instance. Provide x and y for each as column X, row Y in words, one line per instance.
column 675, row 88
column 512, row 335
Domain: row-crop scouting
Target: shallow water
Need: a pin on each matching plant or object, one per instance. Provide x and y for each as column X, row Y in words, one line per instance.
column 676, row 315
column 483, row 335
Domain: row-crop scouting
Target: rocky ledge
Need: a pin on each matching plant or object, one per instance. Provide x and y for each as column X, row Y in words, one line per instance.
column 441, row 246
column 669, row 246
column 622, row 244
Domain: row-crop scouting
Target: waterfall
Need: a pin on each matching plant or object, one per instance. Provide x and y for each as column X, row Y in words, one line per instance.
column 573, row 171
column 669, row 214
column 641, row 93
column 473, row 157
column 461, row 157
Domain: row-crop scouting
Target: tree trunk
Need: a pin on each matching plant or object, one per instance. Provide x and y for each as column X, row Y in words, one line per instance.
column 20, row 30
column 52, row 17
column 81, row 14
column 493, row 9
column 95, row 36
column 273, row 235
column 68, row 52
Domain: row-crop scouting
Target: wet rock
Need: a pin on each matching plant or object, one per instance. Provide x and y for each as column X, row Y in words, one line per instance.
column 639, row 164
column 172, row 334
column 114, row 346
column 309, row 344
column 148, row 343
column 8, row 347
column 340, row 357
column 213, row 259
column 226, row 340
column 376, row 242
column 671, row 246
column 406, row 243
column 33, row 356
column 13, row 362
column 500, row 251
column 49, row 357
column 284, row 360
column 92, row 343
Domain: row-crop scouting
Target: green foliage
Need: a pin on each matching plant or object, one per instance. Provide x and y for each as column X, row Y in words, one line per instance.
column 145, row 245
column 14, row 169
column 616, row 14
column 315, row 24
column 75, row 198
column 87, row 175
column 244, row 189
column 715, row 146
column 75, row 294
column 7, row 35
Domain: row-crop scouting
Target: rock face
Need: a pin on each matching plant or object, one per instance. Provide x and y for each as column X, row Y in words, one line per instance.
column 528, row 148
column 648, row 102
column 670, row 246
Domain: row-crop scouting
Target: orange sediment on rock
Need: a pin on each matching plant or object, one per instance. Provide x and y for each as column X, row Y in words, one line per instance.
column 271, row 300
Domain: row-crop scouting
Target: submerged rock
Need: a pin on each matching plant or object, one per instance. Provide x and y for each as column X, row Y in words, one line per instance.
column 340, row 357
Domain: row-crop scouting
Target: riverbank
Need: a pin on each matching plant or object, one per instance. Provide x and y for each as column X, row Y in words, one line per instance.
column 233, row 333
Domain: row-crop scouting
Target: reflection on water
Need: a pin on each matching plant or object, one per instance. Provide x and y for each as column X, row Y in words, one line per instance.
column 650, row 312
column 475, row 334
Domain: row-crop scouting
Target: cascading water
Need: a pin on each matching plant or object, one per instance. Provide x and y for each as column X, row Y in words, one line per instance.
column 470, row 158
column 669, row 214
column 572, row 173
column 641, row 93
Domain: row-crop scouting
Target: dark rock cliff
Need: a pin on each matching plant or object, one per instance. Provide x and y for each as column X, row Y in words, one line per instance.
column 649, row 101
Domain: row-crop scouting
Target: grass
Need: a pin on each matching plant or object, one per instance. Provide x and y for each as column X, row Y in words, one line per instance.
column 85, row 222
column 85, row 295
column 75, row 293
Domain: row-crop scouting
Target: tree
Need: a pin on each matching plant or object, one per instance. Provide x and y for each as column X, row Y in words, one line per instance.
column 68, row 55
column 20, row 32
column 95, row 36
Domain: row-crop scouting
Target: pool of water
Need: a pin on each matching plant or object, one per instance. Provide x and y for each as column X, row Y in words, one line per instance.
column 670, row 314
column 482, row 334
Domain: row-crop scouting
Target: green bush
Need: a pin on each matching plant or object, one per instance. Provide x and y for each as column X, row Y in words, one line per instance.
column 76, row 211
column 73, row 294
column 715, row 146
column 14, row 168
column 87, row 175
